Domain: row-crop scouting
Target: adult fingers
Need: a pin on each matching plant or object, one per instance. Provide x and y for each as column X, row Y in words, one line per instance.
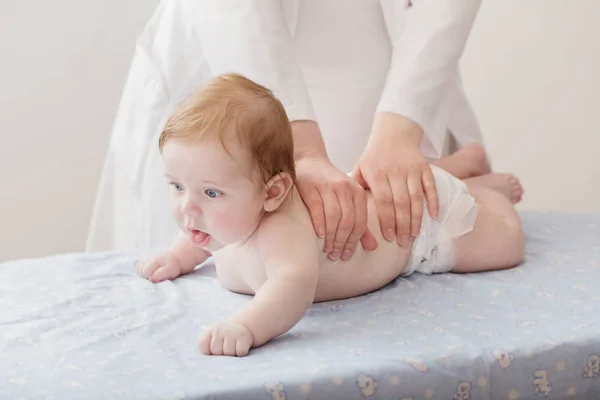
column 415, row 191
column 401, row 205
column 431, row 193
column 314, row 202
column 384, row 200
column 346, row 222
column 333, row 213
column 360, row 223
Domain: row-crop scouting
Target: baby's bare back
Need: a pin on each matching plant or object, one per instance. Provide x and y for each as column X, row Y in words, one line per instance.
column 241, row 269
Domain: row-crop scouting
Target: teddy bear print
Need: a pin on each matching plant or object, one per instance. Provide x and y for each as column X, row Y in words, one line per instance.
column 503, row 358
column 592, row 369
column 463, row 391
column 275, row 389
column 417, row 364
column 367, row 385
column 541, row 383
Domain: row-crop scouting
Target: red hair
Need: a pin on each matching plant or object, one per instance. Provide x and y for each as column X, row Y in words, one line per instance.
column 258, row 118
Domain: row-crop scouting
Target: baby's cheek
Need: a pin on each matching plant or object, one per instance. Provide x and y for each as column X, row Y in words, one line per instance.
column 235, row 225
column 176, row 215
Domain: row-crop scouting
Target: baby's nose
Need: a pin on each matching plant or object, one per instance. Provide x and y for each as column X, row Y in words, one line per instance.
column 189, row 207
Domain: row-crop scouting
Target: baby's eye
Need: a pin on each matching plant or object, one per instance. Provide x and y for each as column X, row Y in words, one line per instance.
column 212, row 193
column 177, row 186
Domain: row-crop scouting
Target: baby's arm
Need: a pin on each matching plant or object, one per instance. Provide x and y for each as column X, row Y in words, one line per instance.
column 188, row 254
column 291, row 256
column 180, row 258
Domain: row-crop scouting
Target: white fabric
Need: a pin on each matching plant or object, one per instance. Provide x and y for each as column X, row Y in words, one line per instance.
column 433, row 251
column 333, row 61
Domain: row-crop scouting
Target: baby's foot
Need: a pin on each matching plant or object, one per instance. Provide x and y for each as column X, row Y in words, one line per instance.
column 476, row 158
column 507, row 184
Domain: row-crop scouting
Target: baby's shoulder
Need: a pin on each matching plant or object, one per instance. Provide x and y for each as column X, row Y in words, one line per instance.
column 285, row 228
column 286, row 222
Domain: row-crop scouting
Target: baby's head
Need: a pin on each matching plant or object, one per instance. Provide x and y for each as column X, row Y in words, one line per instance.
column 228, row 154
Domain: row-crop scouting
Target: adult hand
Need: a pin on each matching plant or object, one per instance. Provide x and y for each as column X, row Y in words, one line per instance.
column 336, row 202
column 400, row 178
column 337, row 205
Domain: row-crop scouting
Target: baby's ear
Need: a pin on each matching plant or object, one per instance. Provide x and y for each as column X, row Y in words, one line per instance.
column 276, row 191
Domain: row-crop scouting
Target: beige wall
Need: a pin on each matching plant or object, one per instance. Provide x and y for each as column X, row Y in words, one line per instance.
column 62, row 69
column 531, row 70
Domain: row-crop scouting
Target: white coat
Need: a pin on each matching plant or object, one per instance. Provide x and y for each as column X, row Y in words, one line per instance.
column 333, row 61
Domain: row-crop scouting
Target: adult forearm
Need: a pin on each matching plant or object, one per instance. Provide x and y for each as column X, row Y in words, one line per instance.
column 425, row 60
column 393, row 124
column 308, row 141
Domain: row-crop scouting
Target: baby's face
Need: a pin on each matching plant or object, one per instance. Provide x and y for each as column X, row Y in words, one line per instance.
column 213, row 199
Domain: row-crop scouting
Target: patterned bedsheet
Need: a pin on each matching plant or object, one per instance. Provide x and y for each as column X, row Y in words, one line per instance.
column 85, row 326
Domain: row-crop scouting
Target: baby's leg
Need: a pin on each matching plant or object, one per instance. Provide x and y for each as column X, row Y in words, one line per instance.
column 497, row 240
column 467, row 162
column 471, row 163
column 507, row 184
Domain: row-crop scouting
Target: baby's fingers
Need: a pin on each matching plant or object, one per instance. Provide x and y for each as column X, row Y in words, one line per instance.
column 205, row 340
column 147, row 268
column 229, row 346
column 216, row 345
column 242, row 347
column 139, row 266
column 162, row 273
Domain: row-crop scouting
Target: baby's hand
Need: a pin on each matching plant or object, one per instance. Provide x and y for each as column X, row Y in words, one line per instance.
column 226, row 338
column 159, row 267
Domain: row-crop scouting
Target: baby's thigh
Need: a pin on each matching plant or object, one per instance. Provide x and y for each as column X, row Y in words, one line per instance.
column 496, row 242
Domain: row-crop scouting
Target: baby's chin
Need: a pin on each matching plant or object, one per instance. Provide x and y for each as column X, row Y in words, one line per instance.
column 215, row 244
column 211, row 244
column 208, row 242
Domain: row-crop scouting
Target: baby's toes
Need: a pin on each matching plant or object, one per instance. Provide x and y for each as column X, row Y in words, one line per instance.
column 517, row 189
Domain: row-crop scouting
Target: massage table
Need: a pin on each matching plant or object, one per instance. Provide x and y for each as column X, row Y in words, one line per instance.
column 86, row 326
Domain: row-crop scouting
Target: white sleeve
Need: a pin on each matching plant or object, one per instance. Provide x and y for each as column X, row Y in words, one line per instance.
column 252, row 38
column 425, row 58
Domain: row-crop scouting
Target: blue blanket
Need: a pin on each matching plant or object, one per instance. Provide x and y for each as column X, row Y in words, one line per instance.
column 86, row 326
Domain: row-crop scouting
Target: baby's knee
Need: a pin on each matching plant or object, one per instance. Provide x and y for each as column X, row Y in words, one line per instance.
column 513, row 252
column 518, row 239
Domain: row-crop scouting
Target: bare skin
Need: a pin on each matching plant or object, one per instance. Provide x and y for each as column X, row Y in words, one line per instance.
column 471, row 165
column 281, row 261
column 468, row 162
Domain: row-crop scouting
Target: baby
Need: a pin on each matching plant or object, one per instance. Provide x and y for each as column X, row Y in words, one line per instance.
column 228, row 157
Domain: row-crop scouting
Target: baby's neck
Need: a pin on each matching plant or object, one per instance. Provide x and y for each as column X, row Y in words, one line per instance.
column 288, row 205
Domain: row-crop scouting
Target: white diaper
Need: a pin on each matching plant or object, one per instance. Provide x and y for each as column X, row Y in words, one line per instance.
column 433, row 250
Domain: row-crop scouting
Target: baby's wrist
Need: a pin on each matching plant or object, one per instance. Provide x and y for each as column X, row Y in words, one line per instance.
column 174, row 260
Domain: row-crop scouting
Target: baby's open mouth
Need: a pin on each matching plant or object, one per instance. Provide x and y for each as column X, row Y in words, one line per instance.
column 199, row 238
